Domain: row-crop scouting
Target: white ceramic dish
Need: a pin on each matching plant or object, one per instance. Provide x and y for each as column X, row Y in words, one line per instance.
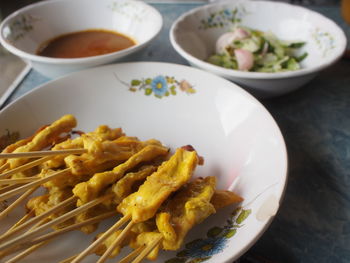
column 25, row 30
column 194, row 34
column 239, row 140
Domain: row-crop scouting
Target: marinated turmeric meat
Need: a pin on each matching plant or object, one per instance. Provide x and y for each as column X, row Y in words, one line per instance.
column 124, row 186
column 144, row 239
column 169, row 177
column 103, row 152
column 222, row 198
column 189, row 207
column 44, row 138
column 100, row 134
column 120, row 190
column 107, row 155
column 55, row 196
column 91, row 189
column 109, row 241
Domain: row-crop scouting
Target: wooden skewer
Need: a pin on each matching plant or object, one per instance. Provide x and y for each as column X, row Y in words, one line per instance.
column 12, row 250
column 48, row 237
column 68, row 260
column 40, row 223
column 41, row 153
column 8, row 188
column 32, row 184
column 102, row 238
column 36, row 219
column 147, row 250
column 26, row 252
column 132, row 255
column 25, row 167
column 21, row 221
column 17, row 202
column 4, row 167
column 18, row 180
column 56, row 233
column 116, row 242
column 28, row 235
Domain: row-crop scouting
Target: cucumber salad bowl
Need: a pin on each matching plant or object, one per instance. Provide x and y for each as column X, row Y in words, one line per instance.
column 268, row 48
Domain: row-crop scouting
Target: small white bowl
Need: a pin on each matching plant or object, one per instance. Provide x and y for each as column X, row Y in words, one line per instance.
column 25, row 30
column 194, row 35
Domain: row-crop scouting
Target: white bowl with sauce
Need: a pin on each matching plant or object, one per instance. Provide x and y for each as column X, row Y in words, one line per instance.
column 78, row 34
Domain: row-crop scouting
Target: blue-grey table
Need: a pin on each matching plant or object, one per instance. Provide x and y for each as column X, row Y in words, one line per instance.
column 313, row 223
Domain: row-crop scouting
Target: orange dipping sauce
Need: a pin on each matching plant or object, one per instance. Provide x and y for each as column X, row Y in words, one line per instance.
column 92, row 42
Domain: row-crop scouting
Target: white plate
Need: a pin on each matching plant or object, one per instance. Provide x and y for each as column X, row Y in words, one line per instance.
column 240, row 141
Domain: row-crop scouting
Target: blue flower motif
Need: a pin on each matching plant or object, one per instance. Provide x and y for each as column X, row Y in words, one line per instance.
column 159, row 86
column 203, row 248
column 227, row 12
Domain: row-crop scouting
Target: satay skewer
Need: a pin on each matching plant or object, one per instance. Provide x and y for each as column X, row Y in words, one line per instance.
column 24, row 167
column 18, row 180
column 35, row 154
column 26, row 252
column 143, row 204
column 4, row 167
column 44, row 239
column 22, row 238
column 98, row 241
column 116, row 242
column 23, row 188
column 7, row 210
column 132, row 255
column 147, row 249
column 36, row 219
column 21, row 220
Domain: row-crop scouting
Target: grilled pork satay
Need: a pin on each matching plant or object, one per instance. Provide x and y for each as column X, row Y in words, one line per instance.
column 10, row 148
column 121, row 189
column 190, row 206
column 143, row 204
column 52, row 198
column 99, row 182
column 101, row 133
column 170, row 176
column 44, row 138
column 223, row 198
column 197, row 192
column 101, row 156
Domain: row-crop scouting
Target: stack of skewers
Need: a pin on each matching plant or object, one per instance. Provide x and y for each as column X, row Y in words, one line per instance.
column 89, row 177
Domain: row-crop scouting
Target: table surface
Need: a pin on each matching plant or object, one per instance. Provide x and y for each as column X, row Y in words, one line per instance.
column 313, row 223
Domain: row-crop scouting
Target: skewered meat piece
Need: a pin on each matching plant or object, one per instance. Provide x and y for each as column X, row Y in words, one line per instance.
column 91, row 189
column 178, row 208
column 189, row 207
column 53, row 197
column 169, row 177
column 44, row 138
column 103, row 155
column 101, row 133
column 222, row 198
column 121, row 189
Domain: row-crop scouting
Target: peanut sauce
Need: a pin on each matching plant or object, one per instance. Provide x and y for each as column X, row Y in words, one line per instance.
column 87, row 43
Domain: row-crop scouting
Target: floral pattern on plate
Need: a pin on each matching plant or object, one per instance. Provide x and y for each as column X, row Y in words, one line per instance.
column 202, row 249
column 224, row 17
column 128, row 9
column 160, row 86
column 324, row 40
column 20, row 26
